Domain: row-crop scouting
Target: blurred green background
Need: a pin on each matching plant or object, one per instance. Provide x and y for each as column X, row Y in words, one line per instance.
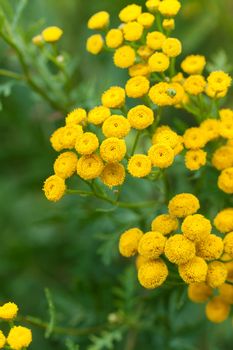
column 70, row 247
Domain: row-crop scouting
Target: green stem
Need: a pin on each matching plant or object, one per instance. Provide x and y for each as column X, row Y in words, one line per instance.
column 172, row 70
column 10, row 74
column 135, row 142
column 159, row 23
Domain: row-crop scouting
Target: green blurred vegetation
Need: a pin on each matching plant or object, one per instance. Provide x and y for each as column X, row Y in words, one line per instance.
column 71, row 247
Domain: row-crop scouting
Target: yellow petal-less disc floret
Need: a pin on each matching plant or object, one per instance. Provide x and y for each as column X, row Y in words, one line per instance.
column 38, row 40
column 113, row 174
column 137, row 87
column 71, row 133
column 89, row 167
column 52, row 34
column 210, row 248
column 98, row 115
column 195, row 159
column 223, row 157
column 168, row 24
column 132, row 31
column 99, row 20
column 217, row 310
column 161, row 155
column 196, row 227
column 167, row 137
column 193, row 64
column 195, row 84
column 116, row 126
column 153, row 274
column 179, row 250
column 129, row 240
column 199, row 292
column 95, row 44
column 210, row 128
column 114, row 97
column 114, row 38
column 183, row 204
column 194, row 138
column 124, row 57
column 225, row 180
column 65, row 164
column 140, row 260
column 112, row 149
column 219, row 81
column 172, row 47
column 87, row 144
column 76, row 117
column 139, row 165
column 152, row 5
column 226, row 292
column 165, row 224
column 54, row 188
column 169, row 8
column 146, row 19
column 223, row 221
column 155, row 40
column 144, row 52
column 130, row 13
column 194, row 271
column 8, row 311
column 226, row 129
column 228, row 244
column 2, row 340
column 158, row 62
column 19, row 337
column 165, row 94
column 139, row 69
column 140, row 117
column 217, row 274
column 151, row 245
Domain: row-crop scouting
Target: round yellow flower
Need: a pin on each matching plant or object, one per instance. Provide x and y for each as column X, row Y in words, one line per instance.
column 172, row 47
column 153, row 274
column 114, row 97
column 179, row 250
column 155, row 40
column 168, row 24
column 217, row 310
column 194, row 159
column 158, row 62
column 56, row 139
column 193, row 64
column 226, row 114
column 89, row 167
column 199, row 292
column 54, row 188
column 194, row 271
column 166, row 136
column 124, row 56
column 196, row 227
column 179, row 147
column 210, row 247
column 151, row 245
column 87, row 144
column 129, row 240
column 2, row 340
column 144, row 52
column 8, row 311
column 194, row 138
column 130, row 13
column 141, row 69
column 146, row 19
column 223, row 158
column 99, row 20
column 38, row 40
column 19, row 337
column 226, row 292
column 226, row 128
column 152, row 5
column 139, row 165
column 229, row 266
column 114, row 38
column 165, row 224
column 76, row 117
column 158, row 94
column 140, row 117
column 161, row 155
column 219, row 81
column 116, row 126
column 223, row 220
column 95, row 44
column 113, row 149
column 137, row 87
column 169, row 8
column 228, row 244
column 217, row 274
column 183, row 204
column 210, row 128
column 52, row 34
column 65, row 164
column 70, row 134
column 225, row 180
column 215, row 94
column 132, row 31
column 140, row 260
column 113, row 174
column 98, row 115
column 195, row 84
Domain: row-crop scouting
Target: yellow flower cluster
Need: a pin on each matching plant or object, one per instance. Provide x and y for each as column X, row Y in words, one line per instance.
column 18, row 337
column 203, row 259
column 49, row 35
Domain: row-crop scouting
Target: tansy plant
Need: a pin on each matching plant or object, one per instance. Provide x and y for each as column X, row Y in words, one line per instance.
column 125, row 136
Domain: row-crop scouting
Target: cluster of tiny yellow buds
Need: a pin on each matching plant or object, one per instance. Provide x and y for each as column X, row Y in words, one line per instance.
column 184, row 238
column 48, row 35
column 18, row 337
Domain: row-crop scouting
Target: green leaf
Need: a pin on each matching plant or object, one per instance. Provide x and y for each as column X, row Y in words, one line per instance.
column 219, row 61
column 18, row 13
column 51, row 311
column 106, row 340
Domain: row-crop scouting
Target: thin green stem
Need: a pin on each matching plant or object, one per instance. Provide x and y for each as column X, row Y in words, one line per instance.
column 135, row 142
column 10, row 74
column 159, row 23
column 172, row 70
